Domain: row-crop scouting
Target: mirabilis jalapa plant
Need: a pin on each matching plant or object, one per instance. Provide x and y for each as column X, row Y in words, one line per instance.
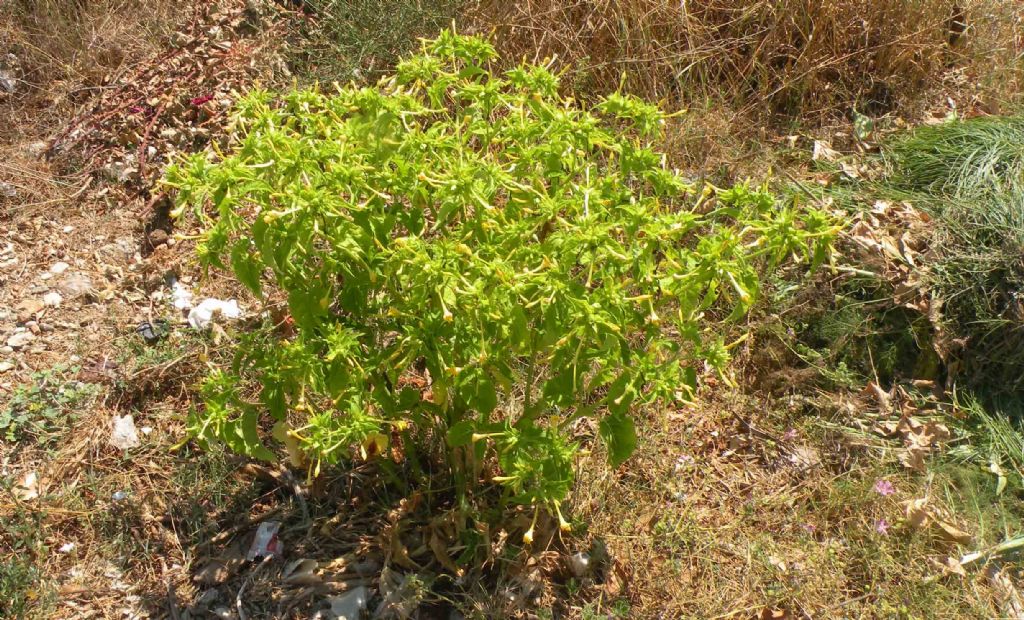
column 533, row 259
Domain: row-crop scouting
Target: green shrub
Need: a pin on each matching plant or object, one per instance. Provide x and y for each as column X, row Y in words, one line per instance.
column 536, row 262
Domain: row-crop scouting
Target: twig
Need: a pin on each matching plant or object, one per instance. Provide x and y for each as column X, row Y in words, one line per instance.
column 172, row 601
column 245, row 584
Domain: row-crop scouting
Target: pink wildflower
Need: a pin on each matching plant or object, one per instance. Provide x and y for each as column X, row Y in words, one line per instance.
column 884, row 488
column 198, row 101
column 882, row 527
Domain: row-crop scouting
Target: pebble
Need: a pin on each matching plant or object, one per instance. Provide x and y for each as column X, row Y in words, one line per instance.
column 28, row 308
column 20, row 339
column 157, row 237
column 76, row 285
column 33, row 327
column 46, row 328
column 59, row 267
column 37, row 149
column 6, row 366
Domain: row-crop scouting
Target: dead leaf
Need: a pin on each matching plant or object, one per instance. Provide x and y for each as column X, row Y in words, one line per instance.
column 917, row 512
column 949, row 532
column 1009, row 598
column 823, row 151
column 217, row 570
column 948, row 566
column 920, row 514
column 880, row 395
column 440, row 550
column 913, row 458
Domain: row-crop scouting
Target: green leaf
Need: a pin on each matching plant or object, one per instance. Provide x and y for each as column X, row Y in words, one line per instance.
column 246, row 268
column 461, row 434
column 619, row 434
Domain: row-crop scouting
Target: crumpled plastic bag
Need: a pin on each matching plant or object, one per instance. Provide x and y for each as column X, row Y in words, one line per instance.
column 124, row 436
column 201, row 316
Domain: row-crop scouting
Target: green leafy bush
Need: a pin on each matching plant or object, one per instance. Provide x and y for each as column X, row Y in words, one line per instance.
column 533, row 261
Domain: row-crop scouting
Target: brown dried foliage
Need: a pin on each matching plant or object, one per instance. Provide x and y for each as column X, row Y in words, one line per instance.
column 790, row 57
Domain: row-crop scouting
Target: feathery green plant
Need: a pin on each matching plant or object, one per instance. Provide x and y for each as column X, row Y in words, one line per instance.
column 536, row 261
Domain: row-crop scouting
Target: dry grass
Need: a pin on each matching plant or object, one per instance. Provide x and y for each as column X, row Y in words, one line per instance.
column 61, row 53
column 716, row 519
column 67, row 50
column 809, row 58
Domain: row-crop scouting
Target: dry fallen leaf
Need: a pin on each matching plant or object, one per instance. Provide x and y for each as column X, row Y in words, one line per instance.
column 921, row 514
column 823, row 151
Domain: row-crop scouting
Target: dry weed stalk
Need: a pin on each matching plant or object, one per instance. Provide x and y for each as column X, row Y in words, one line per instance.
column 806, row 57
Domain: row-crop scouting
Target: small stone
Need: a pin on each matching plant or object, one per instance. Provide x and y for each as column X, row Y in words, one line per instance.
column 20, row 339
column 46, row 328
column 53, row 299
column 32, row 327
column 68, row 229
column 157, row 237
column 37, row 149
column 8, row 83
column 59, row 267
column 6, row 349
column 28, row 308
column 7, row 190
column 6, row 366
column 76, row 285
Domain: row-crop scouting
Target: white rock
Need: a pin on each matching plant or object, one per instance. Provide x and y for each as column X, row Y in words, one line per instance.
column 6, row 366
column 67, row 547
column 76, row 285
column 59, row 267
column 20, row 339
column 53, row 299
column 37, row 149
column 124, row 436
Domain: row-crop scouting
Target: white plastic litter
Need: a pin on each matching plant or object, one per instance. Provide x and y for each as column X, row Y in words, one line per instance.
column 579, row 564
column 53, row 299
column 124, row 436
column 201, row 316
column 347, row 606
column 181, row 297
column 265, row 543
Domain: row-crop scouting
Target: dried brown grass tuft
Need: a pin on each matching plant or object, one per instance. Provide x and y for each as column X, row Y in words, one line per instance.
column 65, row 51
column 813, row 59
